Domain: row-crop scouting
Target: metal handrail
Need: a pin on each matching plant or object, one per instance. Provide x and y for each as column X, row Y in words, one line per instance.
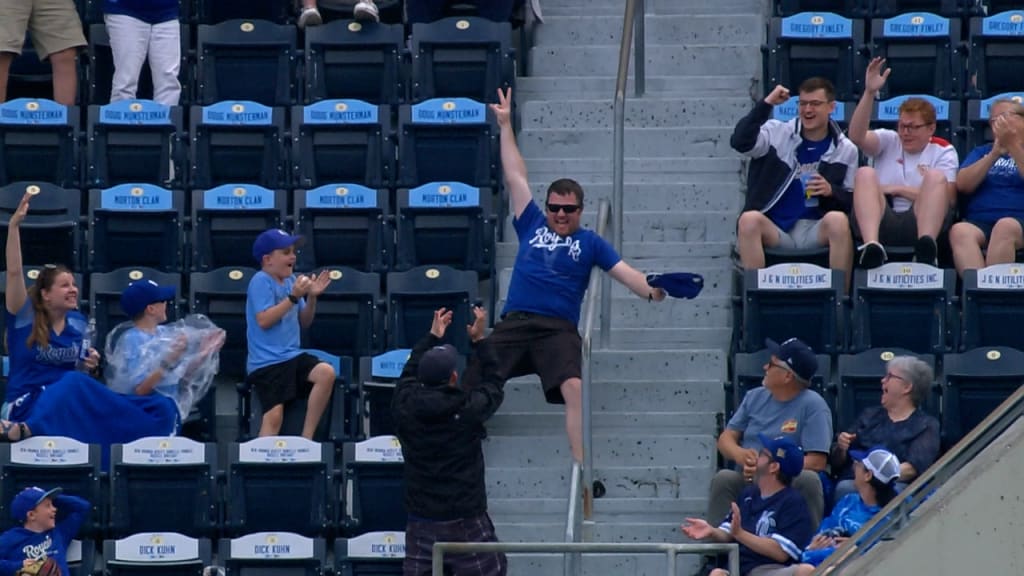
column 573, row 561
column 896, row 515
column 669, row 550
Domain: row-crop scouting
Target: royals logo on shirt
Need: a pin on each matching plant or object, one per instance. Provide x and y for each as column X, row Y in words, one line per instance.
column 545, row 239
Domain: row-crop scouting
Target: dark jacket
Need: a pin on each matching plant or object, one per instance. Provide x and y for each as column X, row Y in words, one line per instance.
column 915, row 440
column 771, row 145
column 440, row 428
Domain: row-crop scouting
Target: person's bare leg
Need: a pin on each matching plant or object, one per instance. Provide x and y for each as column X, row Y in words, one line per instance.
column 322, row 376
column 868, row 203
column 754, row 231
column 966, row 240
column 65, row 76
column 5, row 69
column 572, row 393
column 932, row 204
column 834, row 232
column 1007, row 238
column 272, row 419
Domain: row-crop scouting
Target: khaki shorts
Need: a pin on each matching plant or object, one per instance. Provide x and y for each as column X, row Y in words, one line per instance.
column 53, row 24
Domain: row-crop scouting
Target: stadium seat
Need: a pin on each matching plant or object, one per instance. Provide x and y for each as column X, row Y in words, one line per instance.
column 240, row 142
column 29, row 77
column 859, row 383
column 338, row 141
column 447, row 141
column 445, row 223
column 996, row 54
column 904, row 305
column 156, row 554
column 51, row 461
column 947, row 8
column 788, row 111
column 226, row 221
column 975, row 383
column 923, row 51
column 105, row 296
column 134, row 141
column 164, row 485
column 811, row 44
column 345, row 225
column 349, row 315
column 461, row 57
column 31, row 273
column 414, row 295
column 371, row 554
column 136, row 225
column 217, row 11
column 246, row 60
column 978, row 130
column 848, row 8
column 280, row 483
column 793, row 300
column 100, row 73
column 372, row 477
column 50, row 233
column 378, row 376
column 276, row 553
column 39, row 141
column 993, row 301
column 81, row 558
column 355, row 60
column 220, row 295
column 748, row 372
column 947, row 116
column 346, row 402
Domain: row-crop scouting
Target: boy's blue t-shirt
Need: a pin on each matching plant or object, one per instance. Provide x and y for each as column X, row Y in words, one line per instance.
column 849, row 515
column 790, row 206
column 19, row 544
column 1000, row 194
column 280, row 342
column 551, row 272
column 33, row 368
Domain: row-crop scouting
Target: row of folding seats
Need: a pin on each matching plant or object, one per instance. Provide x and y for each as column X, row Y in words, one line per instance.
column 261, row 61
column 215, row 11
column 888, row 8
column 928, row 54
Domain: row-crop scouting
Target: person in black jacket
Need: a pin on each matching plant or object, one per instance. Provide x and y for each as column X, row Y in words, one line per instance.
column 440, row 426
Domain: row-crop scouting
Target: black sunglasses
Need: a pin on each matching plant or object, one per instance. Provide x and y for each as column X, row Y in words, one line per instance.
column 567, row 208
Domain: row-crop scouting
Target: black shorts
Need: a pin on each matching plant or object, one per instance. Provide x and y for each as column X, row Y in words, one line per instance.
column 900, row 228
column 528, row 343
column 986, row 227
column 283, row 382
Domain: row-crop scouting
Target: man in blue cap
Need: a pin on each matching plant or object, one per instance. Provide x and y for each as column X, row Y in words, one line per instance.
column 41, row 541
column 769, row 520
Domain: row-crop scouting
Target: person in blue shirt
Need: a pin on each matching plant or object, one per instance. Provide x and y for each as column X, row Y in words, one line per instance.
column 992, row 180
column 41, row 538
column 537, row 334
column 139, row 29
column 277, row 303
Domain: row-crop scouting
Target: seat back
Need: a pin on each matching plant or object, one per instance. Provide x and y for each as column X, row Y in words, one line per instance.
column 29, row 77
column 349, row 315
column 358, row 60
column 370, row 554
column 461, row 57
column 975, row 383
column 157, row 553
column 105, row 296
column 860, row 383
column 848, row 8
column 811, row 44
column 947, row 8
column 238, row 141
column 50, row 233
column 31, row 274
column 373, row 484
column 447, row 141
column 345, row 225
column 415, row 294
column 789, row 110
column 904, row 305
column 448, row 224
column 748, row 372
column 246, row 60
column 993, row 307
column 793, row 300
column 133, row 141
column 947, row 116
column 342, row 141
column 39, row 141
column 274, row 553
column 221, row 295
column 136, row 225
column 226, row 221
column 217, row 11
column 922, row 49
column 81, row 558
column 978, row 130
column 100, row 72
column 996, row 54
column 295, row 411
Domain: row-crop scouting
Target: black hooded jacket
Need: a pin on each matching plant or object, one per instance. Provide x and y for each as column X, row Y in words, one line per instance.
column 440, row 428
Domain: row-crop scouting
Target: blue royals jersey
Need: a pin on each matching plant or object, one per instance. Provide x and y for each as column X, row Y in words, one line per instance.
column 34, row 367
column 551, row 272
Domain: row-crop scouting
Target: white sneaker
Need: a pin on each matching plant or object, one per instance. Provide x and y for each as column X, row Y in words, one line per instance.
column 366, row 10
column 310, row 17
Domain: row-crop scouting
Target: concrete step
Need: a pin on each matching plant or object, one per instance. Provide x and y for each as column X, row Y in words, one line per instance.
column 701, row 312
column 602, row 564
column 617, row 7
column 545, row 87
column 658, row 337
column 599, row 532
column 531, row 423
column 653, row 168
column 659, row 29
column 679, row 196
column 606, row 509
column 615, row 449
column 640, row 113
column 656, row 481
column 692, row 141
column 662, row 60
column 687, row 393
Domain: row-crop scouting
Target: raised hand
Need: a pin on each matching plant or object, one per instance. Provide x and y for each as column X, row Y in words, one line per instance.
column 736, row 524
column 503, row 109
column 301, row 285
column 319, row 283
column 21, row 212
column 477, row 330
column 875, row 77
column 442, row 319
column 696, row 528
column 779, row 95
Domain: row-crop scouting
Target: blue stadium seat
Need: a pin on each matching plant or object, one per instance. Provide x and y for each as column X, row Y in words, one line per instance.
column 238, row 141
column 134, row 141
column 848, row 8
column 346, row 403
column 220, row 295
column 136, row 225
column 788, row 111
column 371, row 554
column 445, row 223
column 748, row 372
column 105, row 296
column 811, row 44
column 372, row 477
column 996, row 54
column 947, row 116
column 947, row 8
column 461, row 57
column 276, row 553
column 355, row 60
column 226, row 221
column 859, row 380
column 51, row 232
column 100, row 72
column 345, row 225
column 923, row 51
column 29, row 77
column 280, row 483
column 975, row 383
column 51, row 461
column 217, row 11
column 164, row 485
column 413, row 296
column 978, row 130
column 342, row 141
column 246, row 60
column 447, row 141
column 993, row 307
column 793, row 300
column 904, row 305
column 349, row 315
column 31, row 273
column 156, row 554
column 81, row 558
column 378, row 376
column 39, row 141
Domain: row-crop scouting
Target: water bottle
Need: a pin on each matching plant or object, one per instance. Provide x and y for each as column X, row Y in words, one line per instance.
column 87, row 339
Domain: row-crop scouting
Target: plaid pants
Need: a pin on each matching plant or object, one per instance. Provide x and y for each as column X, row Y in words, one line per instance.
column 419, row 547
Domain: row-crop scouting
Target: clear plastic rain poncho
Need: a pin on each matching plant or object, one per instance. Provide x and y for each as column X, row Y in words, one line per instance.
column 188, row 351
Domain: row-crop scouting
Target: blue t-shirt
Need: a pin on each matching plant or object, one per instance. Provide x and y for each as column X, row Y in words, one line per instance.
column 1000, row 194
column 33, row 368
column 849, row 515
column 280, row 342
column 783, row 517
column 806, row 420
column 149, row 11
column 132, row 351
column 551, row 272
column 19, row 544
column 790, row 206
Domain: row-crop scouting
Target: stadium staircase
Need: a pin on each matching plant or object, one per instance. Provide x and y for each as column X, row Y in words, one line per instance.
column 658, row 388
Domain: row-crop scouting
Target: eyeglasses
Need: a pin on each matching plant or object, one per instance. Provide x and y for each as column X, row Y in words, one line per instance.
column 912, row 127
column 811, row 103
column 567, row 208
column 891, row 376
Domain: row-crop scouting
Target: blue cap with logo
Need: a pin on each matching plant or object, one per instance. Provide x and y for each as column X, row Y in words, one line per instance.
column 142, row 293
column 27, row 500
column 797, row 355
column 784, row 451
column 274, row 239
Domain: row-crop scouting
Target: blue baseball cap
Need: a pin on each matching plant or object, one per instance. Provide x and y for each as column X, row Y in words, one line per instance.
column 142, row 293
column 677, row 284
column 784, row 451
column 274, row 239
column 27, row 500
column 797, row 355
